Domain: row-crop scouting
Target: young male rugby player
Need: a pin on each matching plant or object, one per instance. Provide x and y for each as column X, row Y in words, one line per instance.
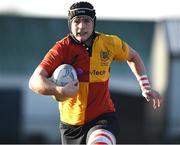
column 88, row 114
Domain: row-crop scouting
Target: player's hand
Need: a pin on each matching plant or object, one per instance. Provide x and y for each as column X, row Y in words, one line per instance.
column 152, row 96
column 69, row 90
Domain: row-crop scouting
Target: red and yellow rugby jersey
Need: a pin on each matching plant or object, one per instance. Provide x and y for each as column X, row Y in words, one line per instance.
column 93, row 98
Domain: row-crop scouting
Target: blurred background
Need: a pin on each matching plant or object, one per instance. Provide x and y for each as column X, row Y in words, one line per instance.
column 29, row 28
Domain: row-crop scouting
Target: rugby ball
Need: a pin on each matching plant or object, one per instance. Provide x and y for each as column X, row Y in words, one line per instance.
column 64, row 74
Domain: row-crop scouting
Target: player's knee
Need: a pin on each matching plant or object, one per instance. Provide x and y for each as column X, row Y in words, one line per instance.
column 101, row 137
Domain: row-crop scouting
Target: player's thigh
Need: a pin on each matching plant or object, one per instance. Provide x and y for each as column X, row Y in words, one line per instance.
column 72, row 134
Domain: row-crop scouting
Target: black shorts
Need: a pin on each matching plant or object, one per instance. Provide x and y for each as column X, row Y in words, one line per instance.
column 71, row 134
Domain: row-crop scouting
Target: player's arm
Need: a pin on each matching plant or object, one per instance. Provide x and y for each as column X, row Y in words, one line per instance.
column 137, row 66
column 135, row 63
column 40, row 84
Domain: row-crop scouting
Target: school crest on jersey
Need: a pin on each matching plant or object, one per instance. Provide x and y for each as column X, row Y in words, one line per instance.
column 105, row 56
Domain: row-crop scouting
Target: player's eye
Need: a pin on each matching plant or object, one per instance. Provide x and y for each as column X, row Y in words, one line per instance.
column 76, row 21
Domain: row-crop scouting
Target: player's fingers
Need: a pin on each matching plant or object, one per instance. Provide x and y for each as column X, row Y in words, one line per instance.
column 146, row 96
column 154, row 103
column 160, row 100
column 76, row 83
column 72, row 84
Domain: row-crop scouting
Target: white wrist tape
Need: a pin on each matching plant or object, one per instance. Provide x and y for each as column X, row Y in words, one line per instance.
column 144, row 82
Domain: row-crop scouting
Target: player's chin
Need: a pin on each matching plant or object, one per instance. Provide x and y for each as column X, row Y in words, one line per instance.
column 82, row 39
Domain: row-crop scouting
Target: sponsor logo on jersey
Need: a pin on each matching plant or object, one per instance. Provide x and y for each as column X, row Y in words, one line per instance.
column 94, row 72
column 97, row 72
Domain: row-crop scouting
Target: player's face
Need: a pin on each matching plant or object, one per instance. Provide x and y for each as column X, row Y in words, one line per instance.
column 82, row 27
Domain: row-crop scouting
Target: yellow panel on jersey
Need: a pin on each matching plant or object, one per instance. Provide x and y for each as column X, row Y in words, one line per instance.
column 72, row 111
column 105, row 49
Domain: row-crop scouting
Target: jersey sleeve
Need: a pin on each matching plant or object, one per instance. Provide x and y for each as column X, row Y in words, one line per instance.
column 52, row 59
column 121, row 49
